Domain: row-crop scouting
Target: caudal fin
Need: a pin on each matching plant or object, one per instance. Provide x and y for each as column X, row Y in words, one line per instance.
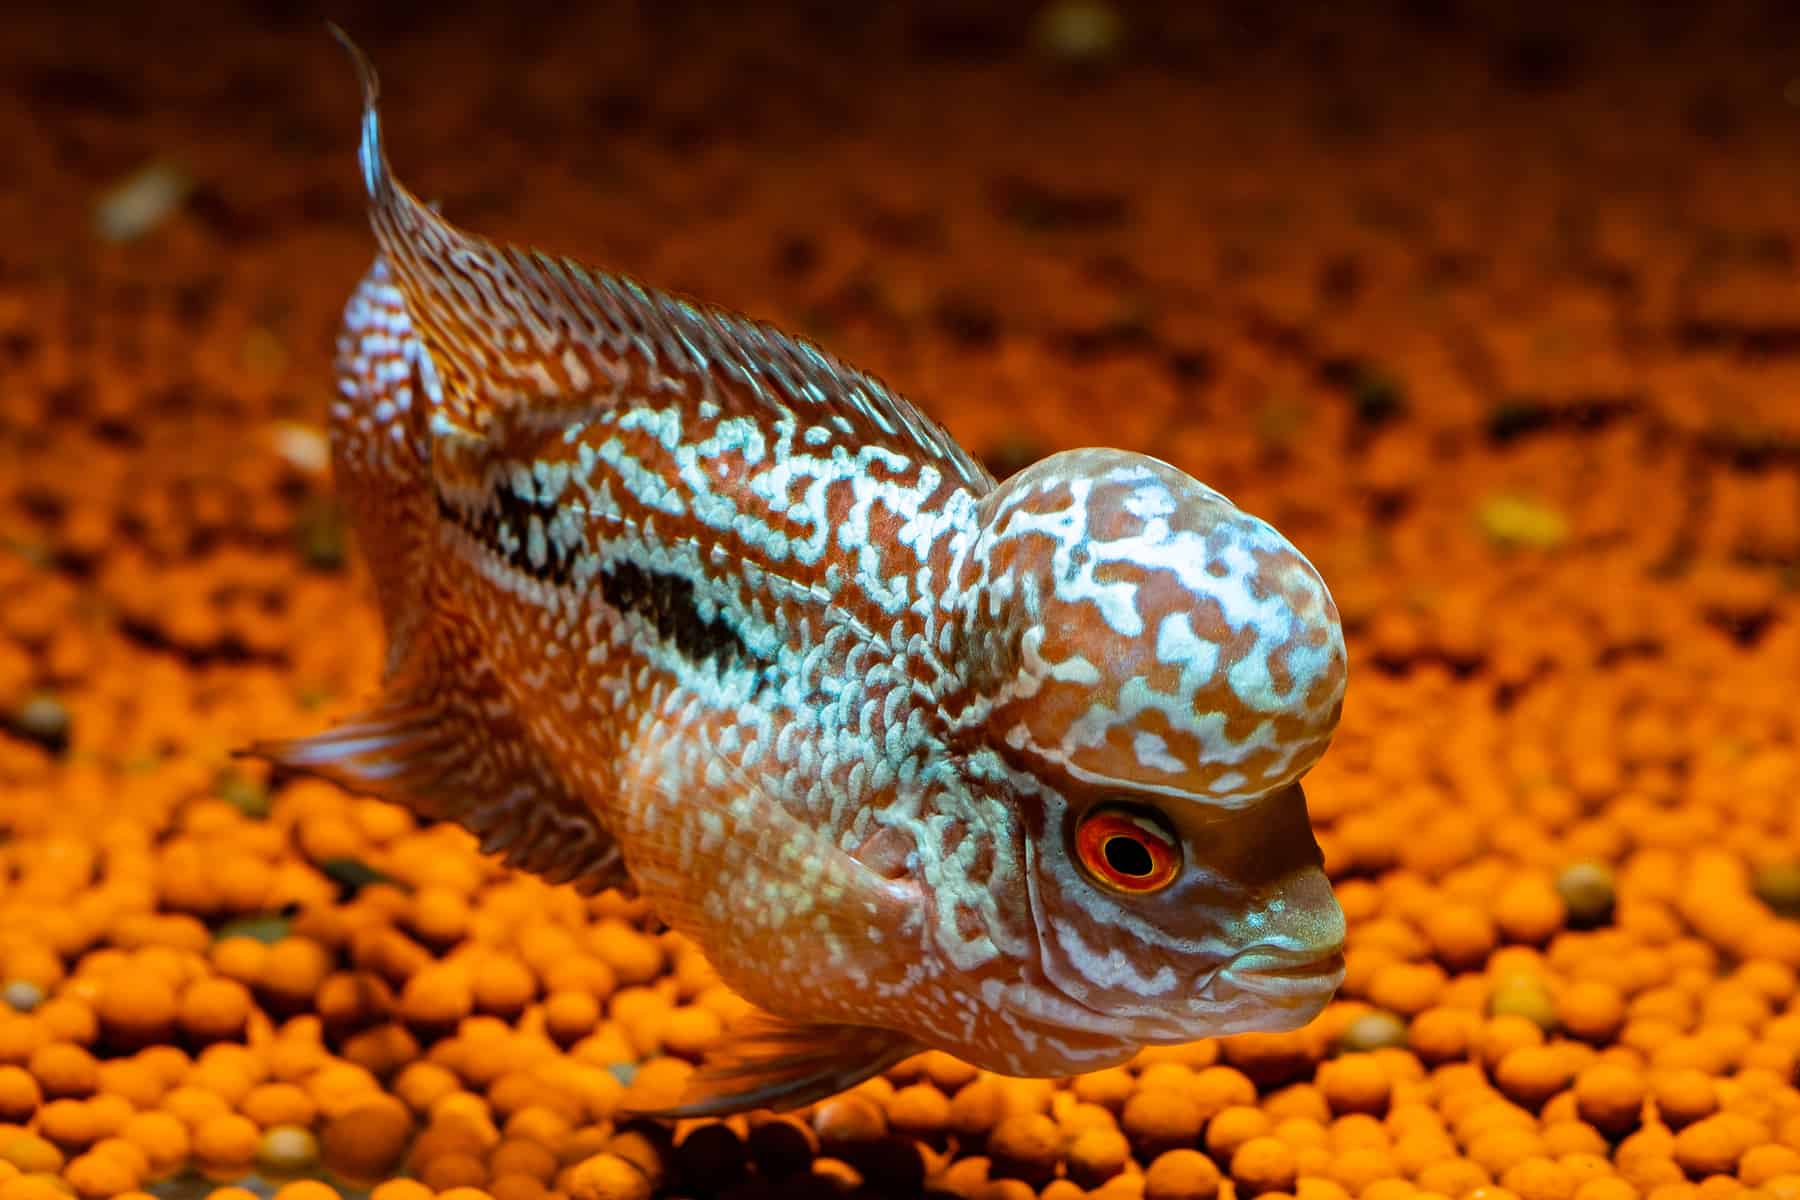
column 447, row 744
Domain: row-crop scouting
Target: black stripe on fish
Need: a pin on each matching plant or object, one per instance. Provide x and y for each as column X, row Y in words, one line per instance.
column 667, row 602
column 662, row 598
column 503, row 525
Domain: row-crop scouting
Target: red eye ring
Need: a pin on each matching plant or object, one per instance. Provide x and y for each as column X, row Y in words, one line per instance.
column 1127, row 850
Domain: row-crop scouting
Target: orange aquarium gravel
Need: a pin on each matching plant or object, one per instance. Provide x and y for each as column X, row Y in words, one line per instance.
column 1494, row 311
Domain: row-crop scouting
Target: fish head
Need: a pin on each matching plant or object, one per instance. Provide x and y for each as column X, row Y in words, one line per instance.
column 1157, row 669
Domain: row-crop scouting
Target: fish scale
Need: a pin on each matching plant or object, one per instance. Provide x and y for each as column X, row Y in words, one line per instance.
column 679, row 602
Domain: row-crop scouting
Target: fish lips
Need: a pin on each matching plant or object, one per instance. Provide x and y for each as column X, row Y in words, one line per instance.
column 1261, row 990
column 1296, row 983
column 1264, row 989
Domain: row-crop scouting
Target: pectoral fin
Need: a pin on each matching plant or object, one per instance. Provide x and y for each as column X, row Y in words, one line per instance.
column 770, row 1062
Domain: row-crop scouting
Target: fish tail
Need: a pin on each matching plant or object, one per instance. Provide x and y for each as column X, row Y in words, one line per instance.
column 445, row 737
column 443, row 740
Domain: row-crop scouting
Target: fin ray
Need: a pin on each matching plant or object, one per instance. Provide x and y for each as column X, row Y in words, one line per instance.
column 524, row 342
column 449, row 748
column 770, row 1062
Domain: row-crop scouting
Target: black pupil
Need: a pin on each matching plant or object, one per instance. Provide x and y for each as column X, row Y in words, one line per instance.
column 1128, row 856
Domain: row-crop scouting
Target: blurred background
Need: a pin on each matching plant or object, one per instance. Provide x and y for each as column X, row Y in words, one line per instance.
column 1491, row 307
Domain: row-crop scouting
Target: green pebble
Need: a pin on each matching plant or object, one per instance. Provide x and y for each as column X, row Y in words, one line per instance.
column 1524, row 995
column 320, row 534
column 1080, row 33
column 1587, row 892
column 1373, row 1031
column 141, row 201
column 352, row 875
column 1280, row 423
column 1519, row 521
column 1778, row 886
column 287, row 1148
column 243, row 793
column 1377, row 398
column 22, row 995
column 44, row 719
column 265, row 929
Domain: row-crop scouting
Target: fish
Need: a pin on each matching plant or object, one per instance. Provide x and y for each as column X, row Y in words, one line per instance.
column 678, row 603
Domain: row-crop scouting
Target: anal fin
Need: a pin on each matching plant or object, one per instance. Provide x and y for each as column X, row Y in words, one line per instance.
column 454, row 751
column 770, row 1062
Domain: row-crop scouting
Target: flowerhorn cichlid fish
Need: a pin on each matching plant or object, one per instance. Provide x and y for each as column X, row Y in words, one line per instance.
column 677, row 601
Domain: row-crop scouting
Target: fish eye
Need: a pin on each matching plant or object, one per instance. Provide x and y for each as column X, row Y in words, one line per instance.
column 1127, row 849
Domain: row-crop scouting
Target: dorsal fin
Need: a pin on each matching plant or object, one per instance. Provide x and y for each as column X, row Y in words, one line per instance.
column 522, row 342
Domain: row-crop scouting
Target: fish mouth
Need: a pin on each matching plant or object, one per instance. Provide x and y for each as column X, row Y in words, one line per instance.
column 1268, row 969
